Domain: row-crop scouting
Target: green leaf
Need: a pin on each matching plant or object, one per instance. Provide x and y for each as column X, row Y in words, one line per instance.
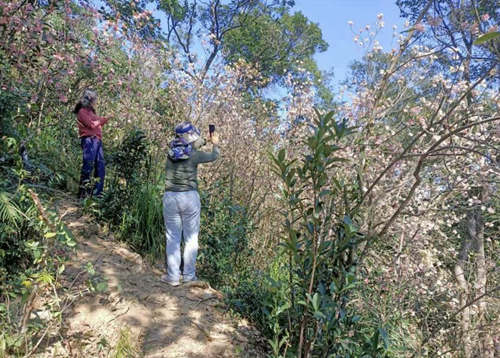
column 486, row 37
column 281, row 155
column 283, row 308
column 374, row 340
column 9, row 211
column 45, row 277
column 68, row 234
column 319, row 315
column 61, row 268
column 318, row 115
column 315, row 301
column 274, row 344
column 101, row 286
column 50, row 235
column 333, row 287
column 70, row 243
column 283, row 340
column 289, row 177
column 90, row 269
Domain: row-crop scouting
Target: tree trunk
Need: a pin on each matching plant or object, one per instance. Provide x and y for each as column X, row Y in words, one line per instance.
column 464, row 294
column 487, row 348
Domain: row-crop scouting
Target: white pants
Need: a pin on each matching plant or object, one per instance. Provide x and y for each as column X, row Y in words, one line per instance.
column 181, row 213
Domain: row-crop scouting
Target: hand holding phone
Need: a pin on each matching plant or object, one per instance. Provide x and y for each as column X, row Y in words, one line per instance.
column 214, row 138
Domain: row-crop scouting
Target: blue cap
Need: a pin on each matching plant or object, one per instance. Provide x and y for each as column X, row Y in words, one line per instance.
column 187, row 131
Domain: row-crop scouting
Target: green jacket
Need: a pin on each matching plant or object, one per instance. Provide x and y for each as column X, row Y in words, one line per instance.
column 182, row 175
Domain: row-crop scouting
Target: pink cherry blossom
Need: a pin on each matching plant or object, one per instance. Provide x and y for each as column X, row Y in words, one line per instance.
column 420, row 27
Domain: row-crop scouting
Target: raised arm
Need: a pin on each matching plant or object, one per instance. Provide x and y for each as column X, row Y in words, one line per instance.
column 205, row 157
column 90, row 120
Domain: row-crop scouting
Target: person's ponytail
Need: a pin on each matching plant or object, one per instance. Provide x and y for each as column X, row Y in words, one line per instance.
column 78, row 106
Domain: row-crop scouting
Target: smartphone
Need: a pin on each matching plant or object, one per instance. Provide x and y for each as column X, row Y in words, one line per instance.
column 211, row 129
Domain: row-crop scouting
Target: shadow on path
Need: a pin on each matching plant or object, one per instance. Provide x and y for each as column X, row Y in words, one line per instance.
column 161, row 321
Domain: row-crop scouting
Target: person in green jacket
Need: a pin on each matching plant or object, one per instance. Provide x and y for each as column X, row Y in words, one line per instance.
column 181, row 201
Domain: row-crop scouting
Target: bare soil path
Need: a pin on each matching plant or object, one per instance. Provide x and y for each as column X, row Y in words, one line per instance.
column 132, row 313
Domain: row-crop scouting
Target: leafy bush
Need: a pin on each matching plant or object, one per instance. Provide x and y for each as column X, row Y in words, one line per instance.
column 313, row 313
column 129, row 158
column 34, row 244
column 132, row 200
column 224, row 249
column 123, row 173
column 303, row 300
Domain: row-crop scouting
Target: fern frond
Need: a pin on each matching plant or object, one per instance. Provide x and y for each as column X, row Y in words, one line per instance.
column 9, row 211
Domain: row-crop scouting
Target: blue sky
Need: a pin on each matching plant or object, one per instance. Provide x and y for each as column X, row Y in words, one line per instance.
column 332, row 17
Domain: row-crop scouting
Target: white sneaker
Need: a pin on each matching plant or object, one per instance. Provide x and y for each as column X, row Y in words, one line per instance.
column 164, row 278
column 194, row 279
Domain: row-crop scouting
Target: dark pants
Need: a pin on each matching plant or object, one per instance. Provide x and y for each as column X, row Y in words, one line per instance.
column 93, row 161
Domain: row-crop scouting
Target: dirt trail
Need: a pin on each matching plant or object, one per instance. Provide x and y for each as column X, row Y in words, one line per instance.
column 160, row 321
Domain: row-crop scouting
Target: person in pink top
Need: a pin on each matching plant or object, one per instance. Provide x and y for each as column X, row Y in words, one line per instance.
column 90, row 133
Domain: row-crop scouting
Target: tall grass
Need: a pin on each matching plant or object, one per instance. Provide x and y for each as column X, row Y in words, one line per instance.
column 142, row 224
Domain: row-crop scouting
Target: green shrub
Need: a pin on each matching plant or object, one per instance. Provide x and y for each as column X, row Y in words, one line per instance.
column 142, row 225
column 132, row 202
column 34, row 244
column 224, row 249
column 312, row 312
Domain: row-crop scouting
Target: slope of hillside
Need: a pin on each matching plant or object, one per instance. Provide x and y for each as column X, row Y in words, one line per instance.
column 118, row 306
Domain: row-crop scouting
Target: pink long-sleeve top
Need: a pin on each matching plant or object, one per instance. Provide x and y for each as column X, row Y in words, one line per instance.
column 89, row 124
